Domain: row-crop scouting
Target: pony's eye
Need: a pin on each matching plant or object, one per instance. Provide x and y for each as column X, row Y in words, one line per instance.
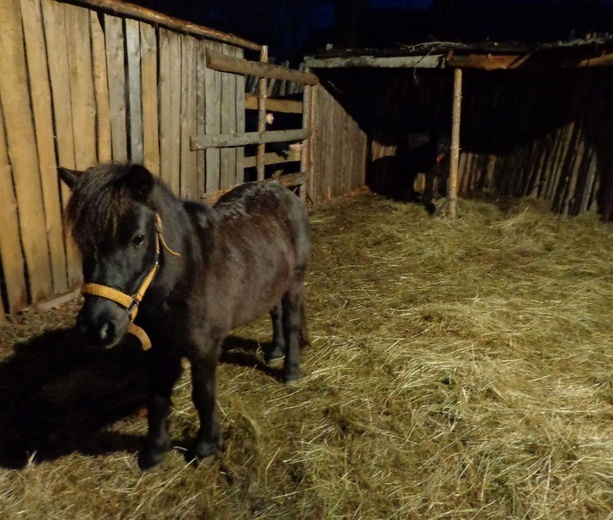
column 138, row 240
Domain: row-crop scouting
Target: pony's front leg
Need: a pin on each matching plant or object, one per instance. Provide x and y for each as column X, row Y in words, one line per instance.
column 164, row 371
column 204, row 395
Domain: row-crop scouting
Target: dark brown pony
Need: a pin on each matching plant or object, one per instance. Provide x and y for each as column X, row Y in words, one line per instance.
column 219, row 267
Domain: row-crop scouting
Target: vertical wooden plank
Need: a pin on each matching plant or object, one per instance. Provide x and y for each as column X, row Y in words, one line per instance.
column 212, row 81
column 170, row 110
column 201, row 112
column 188, row 186
column 57, row 57
column 228, row 124
column 135, row 111
column 149, row 81
column 455, row 143
column 101, row 90
column 23, row 156
column 81, row 86
column 261, row 150
column 240, row 120
column 43, row 122
column 10, row 248
column 305, row 156
column 115, row 53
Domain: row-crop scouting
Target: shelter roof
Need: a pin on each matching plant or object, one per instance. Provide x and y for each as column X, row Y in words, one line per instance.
column 591, row 51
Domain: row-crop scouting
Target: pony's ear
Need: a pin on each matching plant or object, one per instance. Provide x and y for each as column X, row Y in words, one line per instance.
column 139, row 181
column 70, row 177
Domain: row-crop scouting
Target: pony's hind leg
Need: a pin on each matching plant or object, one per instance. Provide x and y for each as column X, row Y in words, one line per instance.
column 164, row 371
column 293, row 304
column 276, row 350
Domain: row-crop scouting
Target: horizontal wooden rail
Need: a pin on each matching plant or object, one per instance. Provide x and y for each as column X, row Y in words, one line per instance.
column 272, row 158
column 202, row 142
column 218, row 61
column 288, row 106
column 291, row 180
column 433, row 61
column 153, row 17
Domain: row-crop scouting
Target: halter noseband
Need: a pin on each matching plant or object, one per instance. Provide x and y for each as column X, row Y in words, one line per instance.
column 131, row 303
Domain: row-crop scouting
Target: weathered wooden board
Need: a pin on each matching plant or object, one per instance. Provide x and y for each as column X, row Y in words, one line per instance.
column 57, row 56
column 222, row 62
column 11, row 254
column 228, row 126
column 101, row 90
column 212, row 82
column 188, row 186
column 239, row 104
column 170, row 108
column 40, row 90
column 16, row 103
column 200, row 113
column 231, row 140
column 115, row 59
column 149, row 84
column 134, row 90
column 275, row 105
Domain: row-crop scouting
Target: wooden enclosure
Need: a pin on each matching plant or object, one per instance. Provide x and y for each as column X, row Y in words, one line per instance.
column 535, row 124
column 92, row 81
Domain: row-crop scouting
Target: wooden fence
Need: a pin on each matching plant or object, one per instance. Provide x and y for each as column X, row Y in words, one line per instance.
column 543, row 134
column 90, row 81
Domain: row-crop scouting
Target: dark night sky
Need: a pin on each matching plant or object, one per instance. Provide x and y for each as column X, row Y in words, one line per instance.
column 293, row 28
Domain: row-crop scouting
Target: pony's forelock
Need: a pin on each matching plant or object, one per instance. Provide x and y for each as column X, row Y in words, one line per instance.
column 97, row 204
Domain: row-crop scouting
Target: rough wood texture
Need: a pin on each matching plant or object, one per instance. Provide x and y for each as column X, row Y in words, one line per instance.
column 153, row 17
column 117, row 86
column 452, row 193
column 149, row 101
column 43, row 124
column 274, row 105
column 230, row 140
column 20, row 134
column 219, row 61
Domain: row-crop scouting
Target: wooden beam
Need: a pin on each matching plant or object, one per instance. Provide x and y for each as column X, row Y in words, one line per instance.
column 452, row 189
column 202, row 142
column 272, row 158
column 262, row 90
column 287, row 106
column 605, row 60
column 434, row 61
column 486, row 61
column 117, row 7
column 224, row 63
column 291, row 180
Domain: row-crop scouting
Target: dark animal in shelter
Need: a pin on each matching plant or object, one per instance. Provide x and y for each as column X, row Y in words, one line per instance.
column 426, row 153
column 207, row 270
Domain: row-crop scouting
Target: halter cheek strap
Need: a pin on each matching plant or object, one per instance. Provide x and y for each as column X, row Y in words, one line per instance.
column 131, row 303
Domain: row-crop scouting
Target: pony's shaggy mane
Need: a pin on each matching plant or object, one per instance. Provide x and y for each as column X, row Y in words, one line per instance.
column 99, row 200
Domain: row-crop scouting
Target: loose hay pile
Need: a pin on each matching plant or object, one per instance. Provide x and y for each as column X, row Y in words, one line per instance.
column 459, row 369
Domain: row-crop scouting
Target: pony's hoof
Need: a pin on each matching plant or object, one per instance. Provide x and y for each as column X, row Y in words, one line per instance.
column 290, row 379
column 203, row 453
column 150, row 457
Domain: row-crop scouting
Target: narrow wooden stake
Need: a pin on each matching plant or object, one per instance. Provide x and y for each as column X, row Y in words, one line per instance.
column 262, row 89
column 452, row 193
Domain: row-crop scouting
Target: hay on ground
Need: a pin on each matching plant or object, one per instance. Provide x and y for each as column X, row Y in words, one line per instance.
column 459, row 369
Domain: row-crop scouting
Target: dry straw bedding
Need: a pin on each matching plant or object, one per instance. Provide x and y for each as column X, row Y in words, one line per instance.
column 459, row 369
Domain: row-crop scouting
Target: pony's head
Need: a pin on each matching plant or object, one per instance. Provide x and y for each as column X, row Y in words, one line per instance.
column 114, row 226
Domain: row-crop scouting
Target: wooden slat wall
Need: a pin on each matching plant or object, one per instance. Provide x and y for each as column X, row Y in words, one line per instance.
column 80, row 87
column 538, row 134
column 338, row 148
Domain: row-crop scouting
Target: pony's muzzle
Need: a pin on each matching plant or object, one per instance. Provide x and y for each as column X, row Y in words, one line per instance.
column 102, row 323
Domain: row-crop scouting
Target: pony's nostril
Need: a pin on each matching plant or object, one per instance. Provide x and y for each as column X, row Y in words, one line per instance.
column 106, row 332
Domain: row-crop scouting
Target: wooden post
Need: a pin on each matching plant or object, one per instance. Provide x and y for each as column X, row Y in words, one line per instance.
column 452, row 193
column 261, row 115
column 305, row 153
